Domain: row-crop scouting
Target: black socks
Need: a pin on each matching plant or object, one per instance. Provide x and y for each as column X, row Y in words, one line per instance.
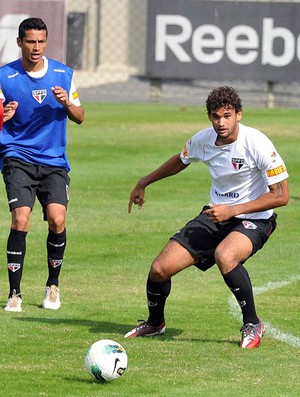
column 157, row 294
column 16, row 249
column 238, row 281
column 56, row 244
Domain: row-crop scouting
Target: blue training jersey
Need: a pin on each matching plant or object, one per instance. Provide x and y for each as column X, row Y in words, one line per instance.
column 1, row 114
column 37, row 132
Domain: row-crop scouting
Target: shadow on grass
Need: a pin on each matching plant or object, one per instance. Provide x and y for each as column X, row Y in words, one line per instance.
column 88, row 380
column 94, row 326
column 114, row 328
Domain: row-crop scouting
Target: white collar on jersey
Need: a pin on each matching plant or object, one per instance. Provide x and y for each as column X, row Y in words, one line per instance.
column 41, row 72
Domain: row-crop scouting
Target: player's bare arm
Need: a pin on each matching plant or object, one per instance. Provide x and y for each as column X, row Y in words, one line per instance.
column 75, row 113
column 9, row 110
column 277, row 196
column 171, row 167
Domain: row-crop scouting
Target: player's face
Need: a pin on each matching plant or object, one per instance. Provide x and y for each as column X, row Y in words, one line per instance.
column 33, row 47
column 226, row 124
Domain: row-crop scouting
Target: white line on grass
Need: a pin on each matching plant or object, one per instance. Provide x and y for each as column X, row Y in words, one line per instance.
column 270, row 330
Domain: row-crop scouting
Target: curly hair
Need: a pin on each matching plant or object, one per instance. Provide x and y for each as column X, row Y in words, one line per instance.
column 31, row 23
column 223, row 97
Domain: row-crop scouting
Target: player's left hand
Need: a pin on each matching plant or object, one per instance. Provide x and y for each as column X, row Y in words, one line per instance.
column 219, row 212
column 61, row 95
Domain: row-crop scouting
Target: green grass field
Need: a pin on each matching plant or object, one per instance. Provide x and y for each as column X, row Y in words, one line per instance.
column 108, row 257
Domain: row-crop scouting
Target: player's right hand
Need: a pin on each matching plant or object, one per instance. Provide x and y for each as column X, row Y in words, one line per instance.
column 9, row 110
column 137, row 198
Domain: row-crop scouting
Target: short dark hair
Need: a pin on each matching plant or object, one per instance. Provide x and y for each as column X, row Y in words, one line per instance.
column 31, row 23
column 223, row 97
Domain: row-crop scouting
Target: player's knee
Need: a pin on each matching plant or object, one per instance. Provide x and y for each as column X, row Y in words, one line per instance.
column 218, row 256
column 222, row 257
column 158, row 273
column 225, row 261
column 56, row 224
column 20, row 222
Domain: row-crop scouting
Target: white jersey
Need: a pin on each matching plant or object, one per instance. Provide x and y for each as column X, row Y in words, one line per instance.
column 240, row 171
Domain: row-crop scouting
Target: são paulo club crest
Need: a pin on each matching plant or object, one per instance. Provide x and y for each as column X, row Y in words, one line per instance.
column 237, row 163
column 13, row 267
column 249, row 225
column 39, row 95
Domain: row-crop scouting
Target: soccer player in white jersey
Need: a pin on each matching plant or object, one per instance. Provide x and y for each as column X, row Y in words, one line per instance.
column 33, row 156
column 249, row 179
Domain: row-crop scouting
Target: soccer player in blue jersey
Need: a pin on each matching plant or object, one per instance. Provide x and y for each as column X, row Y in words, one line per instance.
column 33, row 153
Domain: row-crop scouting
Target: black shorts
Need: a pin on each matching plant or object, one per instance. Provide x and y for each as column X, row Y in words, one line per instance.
column 201, row 236
column 25, row 181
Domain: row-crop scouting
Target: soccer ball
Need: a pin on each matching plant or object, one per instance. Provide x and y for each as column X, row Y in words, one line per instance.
column 106, row 360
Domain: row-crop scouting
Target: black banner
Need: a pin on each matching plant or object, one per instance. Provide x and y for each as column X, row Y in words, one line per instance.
column 192, row 39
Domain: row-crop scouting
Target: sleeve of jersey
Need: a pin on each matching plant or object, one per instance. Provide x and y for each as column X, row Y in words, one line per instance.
column 273, row 167
column 73, row 95
column 2, row 97
column 1, row 115
column 191, row 151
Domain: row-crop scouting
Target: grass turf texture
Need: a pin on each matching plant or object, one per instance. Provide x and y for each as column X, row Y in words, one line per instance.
column 107, row 260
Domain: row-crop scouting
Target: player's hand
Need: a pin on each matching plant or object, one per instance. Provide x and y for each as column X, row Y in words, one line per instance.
column 219, row 212
column 136, row 197
column 10, row 110
column 61, row 95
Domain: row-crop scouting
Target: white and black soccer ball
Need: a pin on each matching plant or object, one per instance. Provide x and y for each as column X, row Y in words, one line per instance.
column 106, row 360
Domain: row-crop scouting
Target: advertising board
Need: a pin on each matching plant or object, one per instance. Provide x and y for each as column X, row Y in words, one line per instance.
column 194, row 39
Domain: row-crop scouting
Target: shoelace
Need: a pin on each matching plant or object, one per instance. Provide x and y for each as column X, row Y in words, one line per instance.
column 249, row 330
column 15, row 295
column 142, row 323
column 13, row 300
column 53, row 295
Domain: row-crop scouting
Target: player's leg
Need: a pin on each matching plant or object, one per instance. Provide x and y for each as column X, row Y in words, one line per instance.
column 248, row 237
column 53, row 194
column 172, row 259
column 56, row 245
column 189, row 246
column 230, row 254
column 16, row 250
column 19, row 181
column 56, row 241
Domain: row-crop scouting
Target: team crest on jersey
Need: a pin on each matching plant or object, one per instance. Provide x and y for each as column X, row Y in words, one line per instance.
column 249, row 225
column 237, row 163
column 273, row 157
column 39, row 95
